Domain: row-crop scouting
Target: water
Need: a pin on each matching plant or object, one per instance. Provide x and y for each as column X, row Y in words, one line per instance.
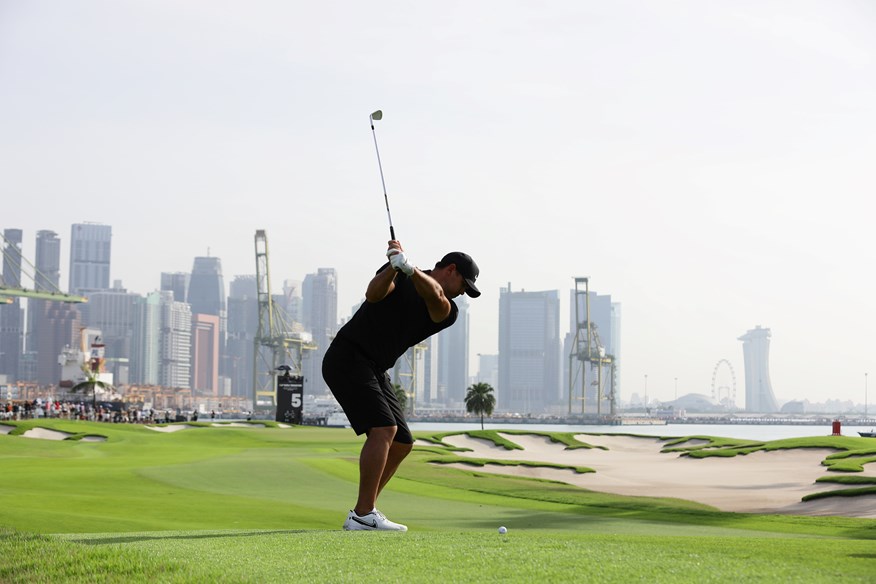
column 762, row 432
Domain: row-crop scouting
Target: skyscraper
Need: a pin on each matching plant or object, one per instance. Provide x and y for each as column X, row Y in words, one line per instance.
column 320, row 316
column 146, row 342
column 161, row 351
column 90, row 247
column 206, row 295
column 58, row 328
column 113, row 313
column 453, row 347
column 175, row 343
column 205, row 353
column 243, row 324
column 176, row 282
column 46, row 278
column 756, row 353
column 11, row 338
column 529, row 351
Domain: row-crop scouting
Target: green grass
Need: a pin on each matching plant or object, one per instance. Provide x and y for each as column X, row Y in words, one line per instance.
column 333, row 556
column 227, row 504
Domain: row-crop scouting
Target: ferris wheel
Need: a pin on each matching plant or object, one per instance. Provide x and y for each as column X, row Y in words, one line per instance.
column 721, row 392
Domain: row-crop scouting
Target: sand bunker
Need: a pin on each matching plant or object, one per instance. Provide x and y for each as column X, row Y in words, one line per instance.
column 173, row 428
column 46, row 434
column 237, row 425
column 760, row 482
column 4, row 429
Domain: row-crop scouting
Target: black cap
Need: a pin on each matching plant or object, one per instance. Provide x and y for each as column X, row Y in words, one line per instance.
column 467, row 267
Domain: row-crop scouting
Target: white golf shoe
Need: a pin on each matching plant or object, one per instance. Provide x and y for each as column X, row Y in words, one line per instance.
column 374, row 521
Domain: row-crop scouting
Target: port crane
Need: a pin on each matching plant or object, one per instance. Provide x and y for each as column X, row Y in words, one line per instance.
column 276, row 345
column 589, row 351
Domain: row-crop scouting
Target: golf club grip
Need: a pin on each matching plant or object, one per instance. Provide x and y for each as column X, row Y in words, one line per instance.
column 392, row 233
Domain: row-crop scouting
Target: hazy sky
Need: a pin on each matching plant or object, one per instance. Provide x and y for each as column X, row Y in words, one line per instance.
column 708, row 164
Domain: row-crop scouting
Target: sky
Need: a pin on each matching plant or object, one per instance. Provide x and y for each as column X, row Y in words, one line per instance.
column 708, row 164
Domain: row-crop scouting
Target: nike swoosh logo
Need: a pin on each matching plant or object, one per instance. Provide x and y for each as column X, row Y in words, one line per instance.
column 373, row 522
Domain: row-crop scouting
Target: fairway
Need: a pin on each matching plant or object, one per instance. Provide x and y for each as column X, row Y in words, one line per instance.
column 260, row 503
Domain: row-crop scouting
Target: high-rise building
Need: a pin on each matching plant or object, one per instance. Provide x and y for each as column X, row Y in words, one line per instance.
column 58, row 328
column 176, row 282
column 161, row 351
column 433, row 393
column 48, row 261
column 90, row 247
column 205, row 354
column 206, row 295
column 146, row 342
column 320, row 316
column 11, row 330
column 243, row 324
column 293, row 303
column 113, row 312
column 175, row 343
column 529, row 351
column 47, row 277
column 453, row 347
column 756, row 353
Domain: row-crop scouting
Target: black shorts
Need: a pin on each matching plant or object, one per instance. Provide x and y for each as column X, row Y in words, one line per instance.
column 366, row 395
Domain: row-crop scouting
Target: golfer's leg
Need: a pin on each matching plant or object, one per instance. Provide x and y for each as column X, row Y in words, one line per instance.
column 397, row 453
column 372, row 462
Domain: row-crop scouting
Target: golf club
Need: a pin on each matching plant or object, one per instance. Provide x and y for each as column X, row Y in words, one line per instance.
column 378, row 115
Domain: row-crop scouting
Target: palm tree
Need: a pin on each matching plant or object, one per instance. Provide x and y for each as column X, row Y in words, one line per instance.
column 401, row 395
column 91, row 382
column 479, row 400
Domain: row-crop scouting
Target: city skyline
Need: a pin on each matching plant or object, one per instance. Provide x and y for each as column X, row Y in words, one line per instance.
column 706, row 164
column 162, row 279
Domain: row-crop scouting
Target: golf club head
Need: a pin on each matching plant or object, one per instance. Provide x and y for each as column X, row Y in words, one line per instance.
column 378, row 115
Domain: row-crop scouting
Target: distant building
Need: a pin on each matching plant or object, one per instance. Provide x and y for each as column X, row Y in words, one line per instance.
column 113, row 312
column 175, row 343
column 453, row 347
column 146, row 340
column 206, row 295
column 59, row 328
column 243, row 324
column 529, row 351
column 47, row 278
column 759, row 395
column 178, row 283
column 205, row 354
column 11, row 318
column 320, row 317
column 488, row 370
column 90, row 251
column 162, row 345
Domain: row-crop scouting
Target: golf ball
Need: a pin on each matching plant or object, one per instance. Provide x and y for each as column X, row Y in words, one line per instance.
column 503, row 529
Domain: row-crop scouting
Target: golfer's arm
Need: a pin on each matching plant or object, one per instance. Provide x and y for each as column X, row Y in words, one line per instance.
column 381, row 285
column 429, row 290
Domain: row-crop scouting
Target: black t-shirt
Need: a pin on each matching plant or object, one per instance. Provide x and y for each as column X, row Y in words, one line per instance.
column 384, row 330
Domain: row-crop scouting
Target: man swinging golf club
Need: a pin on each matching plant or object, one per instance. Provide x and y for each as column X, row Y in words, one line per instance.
column 403, row 306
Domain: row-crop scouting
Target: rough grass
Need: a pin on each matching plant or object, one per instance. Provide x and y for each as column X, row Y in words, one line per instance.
column 518, row 556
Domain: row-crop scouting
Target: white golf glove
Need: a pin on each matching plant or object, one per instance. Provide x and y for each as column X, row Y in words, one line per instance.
column 399, row 263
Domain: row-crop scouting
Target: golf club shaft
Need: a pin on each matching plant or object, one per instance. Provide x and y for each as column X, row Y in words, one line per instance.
column 382, row 182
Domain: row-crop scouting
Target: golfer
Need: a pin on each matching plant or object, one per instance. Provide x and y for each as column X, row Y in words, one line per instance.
column 403, row 306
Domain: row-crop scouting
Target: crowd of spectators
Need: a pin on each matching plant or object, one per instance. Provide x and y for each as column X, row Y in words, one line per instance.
column 79, row 410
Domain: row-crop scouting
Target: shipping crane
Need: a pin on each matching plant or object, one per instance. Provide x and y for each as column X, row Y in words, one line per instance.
column 275, row 343
column 588, row 350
